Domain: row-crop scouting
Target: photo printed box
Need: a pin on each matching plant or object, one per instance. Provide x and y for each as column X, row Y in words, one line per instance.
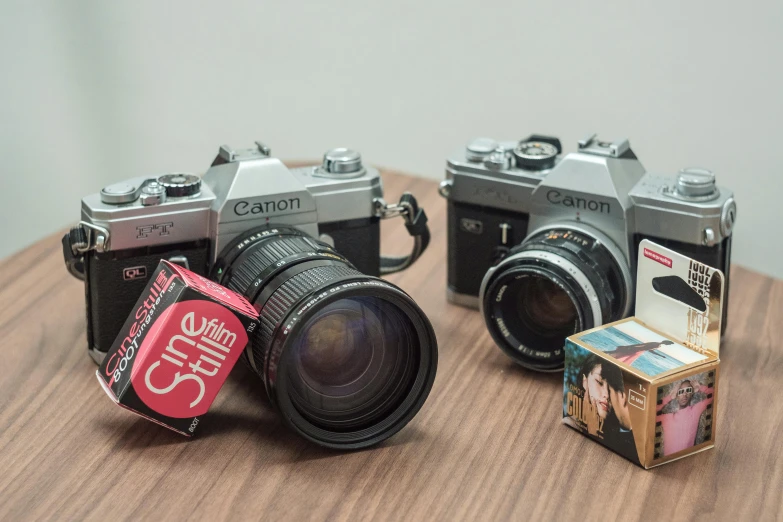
column 177, row 347
column 646, row 386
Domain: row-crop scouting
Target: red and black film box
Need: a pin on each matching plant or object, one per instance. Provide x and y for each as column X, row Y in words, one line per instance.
column 177, row 347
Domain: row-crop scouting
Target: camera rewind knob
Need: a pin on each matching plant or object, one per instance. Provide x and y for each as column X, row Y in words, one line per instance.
column 480, row 148
column 342, row 161
column 180, row 185
column 696, row 183
column 118, row 193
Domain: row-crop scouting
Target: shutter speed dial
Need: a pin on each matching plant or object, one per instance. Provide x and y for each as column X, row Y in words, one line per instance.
column 535, row 155
column 180, row 185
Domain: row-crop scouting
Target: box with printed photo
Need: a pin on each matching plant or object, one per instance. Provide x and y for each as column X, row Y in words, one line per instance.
column 646, row 386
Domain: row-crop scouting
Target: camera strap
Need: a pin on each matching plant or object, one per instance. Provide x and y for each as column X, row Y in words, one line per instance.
column 415, row 222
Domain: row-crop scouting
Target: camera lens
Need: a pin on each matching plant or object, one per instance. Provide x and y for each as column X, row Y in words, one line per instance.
column 348, row 358
column 558, row 282
column 352, row 364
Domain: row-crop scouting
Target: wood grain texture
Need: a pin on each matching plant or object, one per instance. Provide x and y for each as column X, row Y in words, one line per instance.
column 488, row 444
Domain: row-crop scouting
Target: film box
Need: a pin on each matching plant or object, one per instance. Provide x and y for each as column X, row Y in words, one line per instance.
column 646, row 386
column 176, row 348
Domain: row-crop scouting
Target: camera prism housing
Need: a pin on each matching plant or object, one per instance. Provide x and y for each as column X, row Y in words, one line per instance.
column 546, row 242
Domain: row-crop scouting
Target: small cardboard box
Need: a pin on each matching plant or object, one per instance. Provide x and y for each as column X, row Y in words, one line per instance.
column 177, row 347
column 646, row 387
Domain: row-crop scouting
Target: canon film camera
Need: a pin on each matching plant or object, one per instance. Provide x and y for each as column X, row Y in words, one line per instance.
column 546, row 245
column 359, row 363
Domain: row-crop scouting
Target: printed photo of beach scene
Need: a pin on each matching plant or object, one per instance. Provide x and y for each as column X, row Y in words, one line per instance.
column 641, row 348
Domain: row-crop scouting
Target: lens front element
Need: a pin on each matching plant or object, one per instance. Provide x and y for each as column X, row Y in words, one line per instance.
column 352, row 363
column 335, row 350
column 545, row 307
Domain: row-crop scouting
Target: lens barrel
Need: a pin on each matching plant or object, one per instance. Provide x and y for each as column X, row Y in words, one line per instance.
column 558, row 282
column 348, row 358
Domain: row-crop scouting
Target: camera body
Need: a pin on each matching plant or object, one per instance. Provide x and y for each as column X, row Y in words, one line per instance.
column 500, row 194
column 128, row 227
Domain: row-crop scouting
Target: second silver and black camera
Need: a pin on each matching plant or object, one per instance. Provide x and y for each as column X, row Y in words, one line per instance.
column 545, row 244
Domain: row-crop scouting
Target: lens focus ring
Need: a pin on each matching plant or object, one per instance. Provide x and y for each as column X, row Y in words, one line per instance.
column 258, row 260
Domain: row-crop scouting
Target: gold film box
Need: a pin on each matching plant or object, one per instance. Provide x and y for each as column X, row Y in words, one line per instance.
column 646, row 387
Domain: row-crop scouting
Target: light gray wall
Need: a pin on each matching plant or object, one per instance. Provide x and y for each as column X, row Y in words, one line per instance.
column 98, row 91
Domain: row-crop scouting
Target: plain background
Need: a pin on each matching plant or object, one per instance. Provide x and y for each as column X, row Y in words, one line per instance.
column 94, row 92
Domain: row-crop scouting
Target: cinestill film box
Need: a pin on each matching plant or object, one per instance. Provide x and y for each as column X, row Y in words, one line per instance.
column 176, row 348
column 646, row 387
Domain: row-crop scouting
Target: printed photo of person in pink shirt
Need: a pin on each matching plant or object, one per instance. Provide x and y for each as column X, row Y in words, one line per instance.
column 683, row 415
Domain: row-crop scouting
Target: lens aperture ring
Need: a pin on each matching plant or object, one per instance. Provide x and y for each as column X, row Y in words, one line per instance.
column 237, row 250
column 257, row 260
column 262, row 286
column 264, row 258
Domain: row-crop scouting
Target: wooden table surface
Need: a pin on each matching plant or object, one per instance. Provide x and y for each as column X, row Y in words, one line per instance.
column 488, row 444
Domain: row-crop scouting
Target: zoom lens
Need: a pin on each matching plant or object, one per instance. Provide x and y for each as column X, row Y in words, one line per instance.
column 558, row 282
column 348, row 358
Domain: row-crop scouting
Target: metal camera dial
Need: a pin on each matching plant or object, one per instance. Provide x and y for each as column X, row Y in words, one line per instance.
column 480, row 148
column 499, row 159
column 153, row 193
column 695, row 183
column 180, row 185
column 535, row 155
column 342, row 161
column 119, row 193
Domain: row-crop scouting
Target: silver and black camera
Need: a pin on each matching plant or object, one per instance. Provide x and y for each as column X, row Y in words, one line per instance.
column 546, row 245
column 361, row 360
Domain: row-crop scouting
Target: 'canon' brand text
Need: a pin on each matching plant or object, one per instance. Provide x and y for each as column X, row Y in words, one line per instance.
column 557, row 198
column 244, row 208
